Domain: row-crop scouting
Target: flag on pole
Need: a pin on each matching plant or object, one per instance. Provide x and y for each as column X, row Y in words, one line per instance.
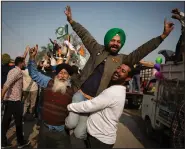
column 71, row 39
column 50, row 46
column 81, row 51
column 62, row 31
column 71, row 47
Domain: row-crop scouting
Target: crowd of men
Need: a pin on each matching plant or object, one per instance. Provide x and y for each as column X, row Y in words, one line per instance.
column 85, row 106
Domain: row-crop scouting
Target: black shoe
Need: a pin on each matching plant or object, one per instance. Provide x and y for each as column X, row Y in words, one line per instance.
column 87, row 143
column 6, row 145
column 23, row 144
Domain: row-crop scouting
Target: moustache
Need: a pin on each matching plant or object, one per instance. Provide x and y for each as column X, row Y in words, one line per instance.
column 63, row 80
column 115, row 46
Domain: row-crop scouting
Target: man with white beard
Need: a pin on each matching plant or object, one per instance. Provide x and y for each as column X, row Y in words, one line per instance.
column 57, row 94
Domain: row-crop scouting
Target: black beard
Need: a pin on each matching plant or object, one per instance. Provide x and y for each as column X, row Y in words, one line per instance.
column 113, row 52
column 117, row 82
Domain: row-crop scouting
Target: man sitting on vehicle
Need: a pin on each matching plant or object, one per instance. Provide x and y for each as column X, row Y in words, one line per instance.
column 180, row 45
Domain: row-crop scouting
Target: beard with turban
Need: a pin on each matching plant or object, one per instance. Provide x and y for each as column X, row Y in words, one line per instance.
column 111, row 43
column 61, row 82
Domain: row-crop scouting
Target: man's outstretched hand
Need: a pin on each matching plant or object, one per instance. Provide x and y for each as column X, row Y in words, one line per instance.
column 168, row 27
column 33, row 52
column 68, row 14
column 27, row 48
column 176, row 11
column 176, row 14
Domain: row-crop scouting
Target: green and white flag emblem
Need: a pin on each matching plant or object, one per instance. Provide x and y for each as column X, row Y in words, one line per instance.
column 61, row 31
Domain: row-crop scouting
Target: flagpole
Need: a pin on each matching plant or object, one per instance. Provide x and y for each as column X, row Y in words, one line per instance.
column 68, row 38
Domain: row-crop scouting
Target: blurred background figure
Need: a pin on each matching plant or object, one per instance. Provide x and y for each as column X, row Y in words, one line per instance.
column 55, row 47
column 5, row 68
column 30, row 89
column 136, row 77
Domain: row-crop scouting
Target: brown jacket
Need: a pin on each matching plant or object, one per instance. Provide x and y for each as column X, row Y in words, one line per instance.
column 98, row 53
column 54, row 106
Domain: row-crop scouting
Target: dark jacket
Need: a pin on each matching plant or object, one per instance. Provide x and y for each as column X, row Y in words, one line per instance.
column 99, row 53
column 55, row 46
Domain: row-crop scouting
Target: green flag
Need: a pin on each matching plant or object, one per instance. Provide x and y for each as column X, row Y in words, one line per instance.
column 50, row 46
column 61, row 31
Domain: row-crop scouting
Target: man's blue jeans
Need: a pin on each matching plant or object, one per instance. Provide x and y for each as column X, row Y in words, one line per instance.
column 77, row 121
column 131, row 85
column 137, row 81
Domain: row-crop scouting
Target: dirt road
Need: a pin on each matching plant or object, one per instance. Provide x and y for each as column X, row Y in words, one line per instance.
column 130, row 132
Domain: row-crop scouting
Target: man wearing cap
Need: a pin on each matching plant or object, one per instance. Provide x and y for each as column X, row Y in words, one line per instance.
column 56, row 96
column 103, row 61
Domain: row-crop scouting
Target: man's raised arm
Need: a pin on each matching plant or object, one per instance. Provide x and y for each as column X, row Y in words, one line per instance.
column 90, row 43
column 38, row 77
column 96, row 104
column 149, row 46
column 26, row 51
column 51, row 41
column 107, row 98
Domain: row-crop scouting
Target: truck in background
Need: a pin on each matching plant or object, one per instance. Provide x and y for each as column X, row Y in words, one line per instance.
column 161, row 97
column 133, row 98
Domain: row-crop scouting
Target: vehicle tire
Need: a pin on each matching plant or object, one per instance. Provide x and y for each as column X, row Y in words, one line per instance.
column 148, row 128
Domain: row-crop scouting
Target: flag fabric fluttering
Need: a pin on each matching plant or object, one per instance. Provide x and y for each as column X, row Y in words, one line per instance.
column 81, row 51
column 69, row 45
column 62, row 31
column 50, row 46
column 78, row 55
